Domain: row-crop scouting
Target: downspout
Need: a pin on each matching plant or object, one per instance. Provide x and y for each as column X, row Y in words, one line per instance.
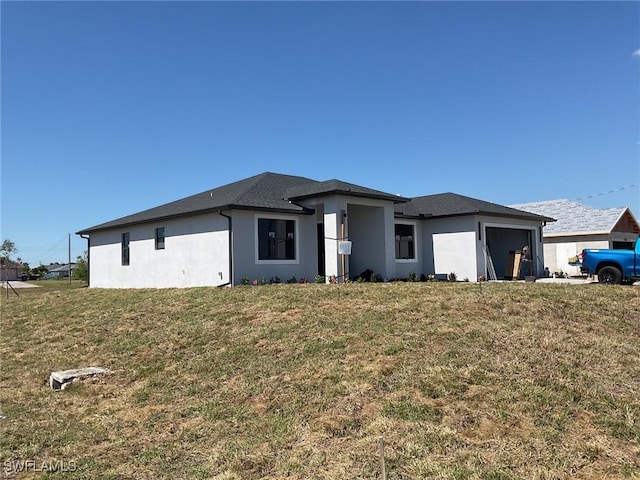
column 88, row 260
column 230, row 229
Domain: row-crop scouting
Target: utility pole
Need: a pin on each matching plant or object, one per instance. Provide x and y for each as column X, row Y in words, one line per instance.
column 69, row 257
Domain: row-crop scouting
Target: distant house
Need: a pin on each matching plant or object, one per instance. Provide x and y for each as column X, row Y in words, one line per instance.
column 284, row 226
column 59, row 271
column 578, row 227
column 10, row 270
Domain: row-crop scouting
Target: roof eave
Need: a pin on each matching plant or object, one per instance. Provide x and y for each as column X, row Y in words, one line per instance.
column 420, row 216
column 577, row 234
column 98, row 228
column 393, row 199
column 110, row 226
column 537, row 218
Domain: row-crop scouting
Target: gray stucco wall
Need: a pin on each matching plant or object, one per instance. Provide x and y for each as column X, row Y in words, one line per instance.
column 245, row 262
column 366, row 232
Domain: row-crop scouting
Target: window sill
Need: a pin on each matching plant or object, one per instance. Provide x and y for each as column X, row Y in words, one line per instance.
column 277, row 262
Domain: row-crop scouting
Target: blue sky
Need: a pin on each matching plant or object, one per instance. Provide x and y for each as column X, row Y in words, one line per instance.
column 110, row 108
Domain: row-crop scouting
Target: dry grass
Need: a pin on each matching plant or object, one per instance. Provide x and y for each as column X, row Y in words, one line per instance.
column 499, row 381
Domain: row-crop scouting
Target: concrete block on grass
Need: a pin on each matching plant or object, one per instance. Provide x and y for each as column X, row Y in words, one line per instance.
column 59, row 380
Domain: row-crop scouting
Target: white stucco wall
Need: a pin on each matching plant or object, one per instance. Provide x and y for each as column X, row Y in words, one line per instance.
column 195, row 254
column 558, row 250
column 434, row 228
column 556, row 257
column 455, row 253
column 333, row 221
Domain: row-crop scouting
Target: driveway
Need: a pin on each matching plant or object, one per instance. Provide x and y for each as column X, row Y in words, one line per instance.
column 18, row 284
column 574, row 281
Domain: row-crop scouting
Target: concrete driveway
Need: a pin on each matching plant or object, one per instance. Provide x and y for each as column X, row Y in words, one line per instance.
column 18, row 284
column 574, row 281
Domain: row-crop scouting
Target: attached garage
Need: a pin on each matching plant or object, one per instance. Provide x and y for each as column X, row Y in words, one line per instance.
column 471, row 237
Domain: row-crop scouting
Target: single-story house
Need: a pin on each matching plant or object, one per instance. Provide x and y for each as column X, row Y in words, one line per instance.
column 10, row 270
column 578, row 227
column 59, row 271
column 273, row 225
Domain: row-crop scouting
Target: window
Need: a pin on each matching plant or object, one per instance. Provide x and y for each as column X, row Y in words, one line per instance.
column 276, row 239
column 623, row 245
column 160, row 238
column 405, row 242
column 124, row 241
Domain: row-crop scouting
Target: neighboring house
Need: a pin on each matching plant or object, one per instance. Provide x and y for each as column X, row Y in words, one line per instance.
column 578, row 227
column 274, row 225
column 10, row 270
column 59, row 271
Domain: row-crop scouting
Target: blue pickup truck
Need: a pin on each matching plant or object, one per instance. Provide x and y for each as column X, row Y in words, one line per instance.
column 613, row 266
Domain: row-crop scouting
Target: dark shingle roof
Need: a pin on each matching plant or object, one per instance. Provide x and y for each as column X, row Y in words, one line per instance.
column 272, row 192
column 264, row 191
column 452, row 204
column 267, row 191
column 338, row 187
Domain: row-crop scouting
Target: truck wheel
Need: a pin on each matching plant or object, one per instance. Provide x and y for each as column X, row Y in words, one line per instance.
column 610, row 275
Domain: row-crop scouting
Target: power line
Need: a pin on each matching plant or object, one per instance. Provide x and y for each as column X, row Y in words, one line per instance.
column 59, row 249
column 616, row 190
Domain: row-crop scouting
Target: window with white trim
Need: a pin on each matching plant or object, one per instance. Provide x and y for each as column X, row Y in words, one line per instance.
column 276, row 239
column 405, row 241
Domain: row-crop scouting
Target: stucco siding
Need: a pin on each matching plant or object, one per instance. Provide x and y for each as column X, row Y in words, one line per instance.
column 368, row 225
column 245, row 256
column 366, row 231
column 430, row 249
column 457, row 244
column 195, row 254
column 454, row 253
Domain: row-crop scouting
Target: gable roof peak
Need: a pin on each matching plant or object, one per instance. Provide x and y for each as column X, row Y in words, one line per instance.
column 335, row 186
column 577, row 218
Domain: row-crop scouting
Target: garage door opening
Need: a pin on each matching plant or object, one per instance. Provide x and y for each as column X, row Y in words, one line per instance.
column 501, row 241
